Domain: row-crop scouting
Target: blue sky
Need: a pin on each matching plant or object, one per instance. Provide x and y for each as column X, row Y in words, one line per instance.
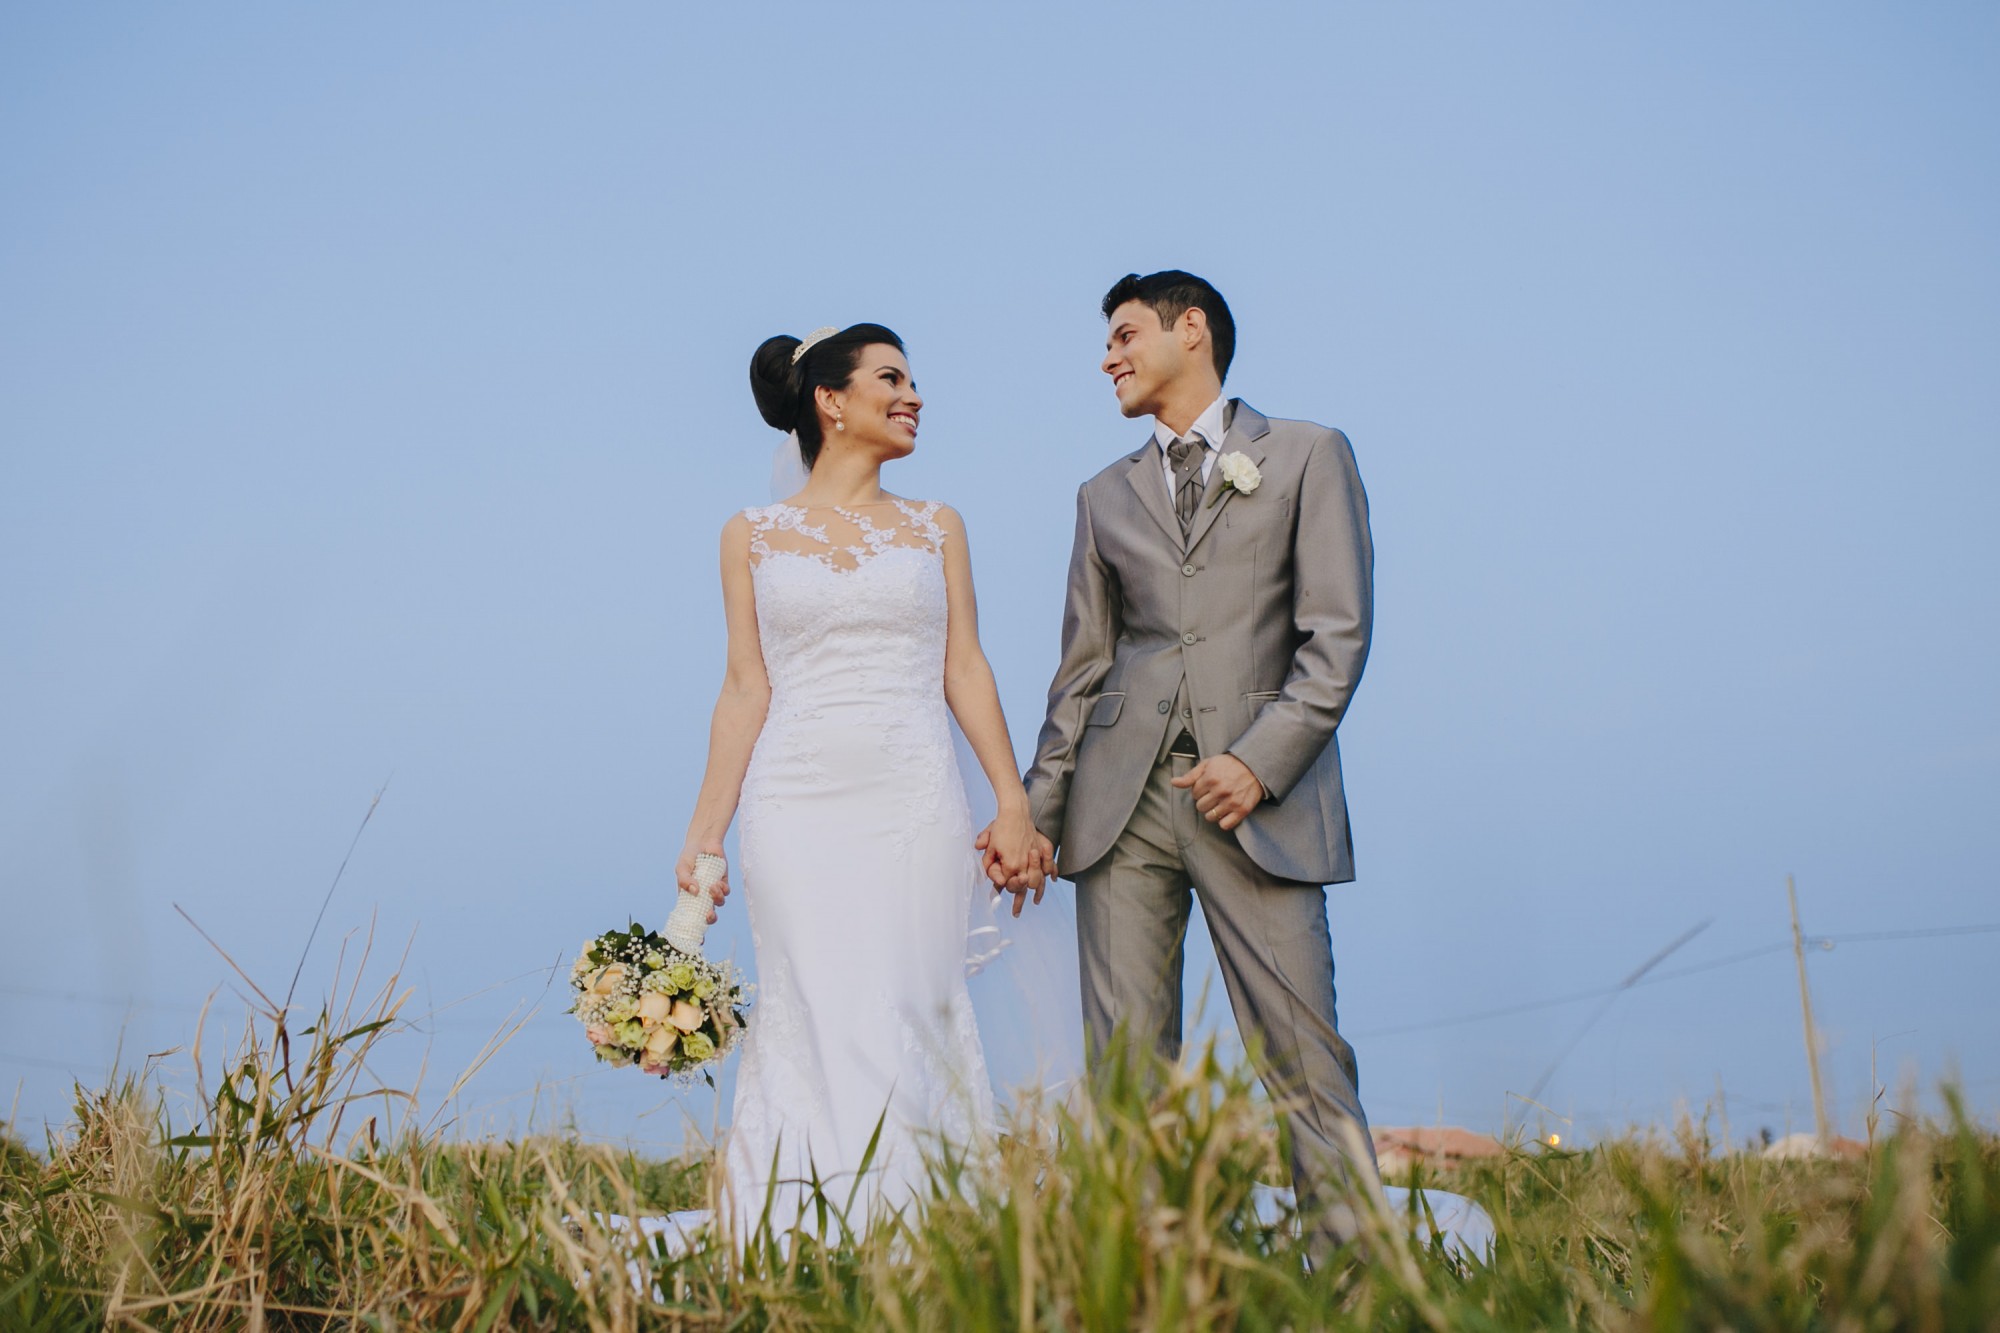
column 372, row 390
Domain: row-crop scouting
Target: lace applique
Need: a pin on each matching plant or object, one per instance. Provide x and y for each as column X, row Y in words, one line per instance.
column 944, row 1048
column 924, row 520
column 911, row 739
column 780, row 518
column 785, row 529
column 776, row 1026
column 782, row 529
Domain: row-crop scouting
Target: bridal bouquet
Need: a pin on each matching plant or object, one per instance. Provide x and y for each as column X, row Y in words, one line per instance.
column 652, row 1000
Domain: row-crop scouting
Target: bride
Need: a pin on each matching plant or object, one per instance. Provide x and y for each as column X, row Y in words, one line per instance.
column 852, row 630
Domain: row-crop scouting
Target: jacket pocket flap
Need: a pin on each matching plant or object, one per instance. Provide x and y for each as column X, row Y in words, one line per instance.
column 1105, row 711
column 1256, row 700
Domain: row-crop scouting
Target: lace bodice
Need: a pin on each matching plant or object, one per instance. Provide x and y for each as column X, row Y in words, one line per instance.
column 849, row 610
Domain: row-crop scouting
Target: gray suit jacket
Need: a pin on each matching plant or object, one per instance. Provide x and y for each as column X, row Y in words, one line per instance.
column 1266, row 610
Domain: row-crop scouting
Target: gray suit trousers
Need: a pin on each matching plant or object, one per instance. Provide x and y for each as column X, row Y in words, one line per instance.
column 1276, row 954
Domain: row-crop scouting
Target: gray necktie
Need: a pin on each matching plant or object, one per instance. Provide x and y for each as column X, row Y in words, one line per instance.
column 1186, row 456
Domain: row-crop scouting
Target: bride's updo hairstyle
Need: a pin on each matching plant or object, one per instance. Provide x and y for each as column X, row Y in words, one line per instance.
column 784, row 389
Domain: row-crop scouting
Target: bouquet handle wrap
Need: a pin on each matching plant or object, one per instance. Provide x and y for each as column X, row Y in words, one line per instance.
column 688, row 922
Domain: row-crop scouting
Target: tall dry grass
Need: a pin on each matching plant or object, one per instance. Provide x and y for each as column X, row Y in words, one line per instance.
column 305, row 1196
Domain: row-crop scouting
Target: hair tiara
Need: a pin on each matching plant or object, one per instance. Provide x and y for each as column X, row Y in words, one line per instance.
column 812, row 340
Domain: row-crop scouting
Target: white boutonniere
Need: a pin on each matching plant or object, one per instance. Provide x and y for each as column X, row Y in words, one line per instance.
column 1238, row 474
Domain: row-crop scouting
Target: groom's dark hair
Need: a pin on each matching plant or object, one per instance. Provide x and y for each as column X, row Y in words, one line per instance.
column 1170, row 294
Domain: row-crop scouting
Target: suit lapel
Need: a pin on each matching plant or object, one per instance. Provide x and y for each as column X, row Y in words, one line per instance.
column 1147, row 478
column 1247, row 425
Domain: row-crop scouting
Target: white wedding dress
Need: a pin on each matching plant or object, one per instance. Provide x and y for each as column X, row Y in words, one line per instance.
column 857, row 870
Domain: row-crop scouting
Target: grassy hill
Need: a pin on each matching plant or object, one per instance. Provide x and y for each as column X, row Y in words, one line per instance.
column 296, row 1203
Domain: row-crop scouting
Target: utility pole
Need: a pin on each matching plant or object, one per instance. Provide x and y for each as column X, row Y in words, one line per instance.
column 1825, row 1126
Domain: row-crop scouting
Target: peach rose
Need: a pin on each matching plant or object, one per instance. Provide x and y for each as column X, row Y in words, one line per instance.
column 686, row 1015
column 660, row 1043
column 653, row 1007
column 609, row 980
column 599, row 1033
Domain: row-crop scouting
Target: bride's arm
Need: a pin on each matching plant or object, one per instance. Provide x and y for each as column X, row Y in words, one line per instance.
column 975, row 702
column 739, row 711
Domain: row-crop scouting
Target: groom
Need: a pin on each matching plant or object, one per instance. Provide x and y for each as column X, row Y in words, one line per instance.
column 1217, row 621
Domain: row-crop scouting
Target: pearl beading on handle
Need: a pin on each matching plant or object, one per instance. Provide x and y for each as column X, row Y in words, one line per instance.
column 688, row 922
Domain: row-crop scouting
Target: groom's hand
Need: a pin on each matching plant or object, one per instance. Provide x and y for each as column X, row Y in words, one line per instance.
column 1225, row 790
column 1034, row 875
column 1031, row 876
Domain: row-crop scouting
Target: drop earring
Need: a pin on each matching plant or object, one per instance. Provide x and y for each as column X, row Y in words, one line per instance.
column 838, row 424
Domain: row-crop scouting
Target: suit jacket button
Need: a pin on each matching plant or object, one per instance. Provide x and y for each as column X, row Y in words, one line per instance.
column 1188, row 570
column 1165, row 705
column 1188, row 637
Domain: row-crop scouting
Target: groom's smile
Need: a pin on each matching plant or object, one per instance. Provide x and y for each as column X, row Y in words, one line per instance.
column 1142, row 357
column 1120, row 349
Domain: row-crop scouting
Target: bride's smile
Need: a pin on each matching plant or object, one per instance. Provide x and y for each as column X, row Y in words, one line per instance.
column 881, row 406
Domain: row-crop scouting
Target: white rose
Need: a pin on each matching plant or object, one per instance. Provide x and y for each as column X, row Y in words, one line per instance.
column 1240, row 472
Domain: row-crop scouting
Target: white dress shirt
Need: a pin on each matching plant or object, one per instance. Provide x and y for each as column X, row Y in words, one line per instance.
column 1208, row 428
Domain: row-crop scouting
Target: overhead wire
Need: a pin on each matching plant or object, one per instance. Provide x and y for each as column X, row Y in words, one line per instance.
column 1821, row 942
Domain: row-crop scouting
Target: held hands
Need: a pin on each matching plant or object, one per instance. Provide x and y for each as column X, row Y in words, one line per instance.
column 1016, row 858
column 1225, row 790
column 684, row 871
